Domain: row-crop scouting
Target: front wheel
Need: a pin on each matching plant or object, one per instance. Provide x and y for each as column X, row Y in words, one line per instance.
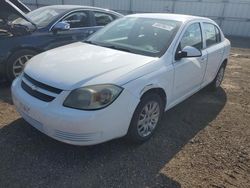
column 16, row 63
column 146, row 118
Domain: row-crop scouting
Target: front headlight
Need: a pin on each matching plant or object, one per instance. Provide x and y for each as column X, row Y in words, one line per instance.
column 92, row 97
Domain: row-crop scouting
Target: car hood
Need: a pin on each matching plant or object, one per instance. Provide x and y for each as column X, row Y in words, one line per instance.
column 81, row 64
column 12, row 9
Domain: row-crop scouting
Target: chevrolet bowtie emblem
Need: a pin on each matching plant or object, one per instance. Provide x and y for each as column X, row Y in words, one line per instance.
column 33, row 87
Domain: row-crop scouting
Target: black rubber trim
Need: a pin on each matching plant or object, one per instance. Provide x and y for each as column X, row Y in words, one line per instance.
column 37, row 94
column 42, row 85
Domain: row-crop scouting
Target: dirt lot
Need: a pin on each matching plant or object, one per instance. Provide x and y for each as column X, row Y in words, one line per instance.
column 203, row 142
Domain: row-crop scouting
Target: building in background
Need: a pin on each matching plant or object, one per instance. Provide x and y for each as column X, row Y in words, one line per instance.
column 233, row 16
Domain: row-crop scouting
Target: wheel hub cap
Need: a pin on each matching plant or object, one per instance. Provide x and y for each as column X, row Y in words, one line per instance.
column 148, row 118
column 19, row 64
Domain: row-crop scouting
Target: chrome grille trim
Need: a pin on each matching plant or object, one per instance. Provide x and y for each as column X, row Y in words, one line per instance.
column 38, row 89
column 36, row 94
column 42, row 85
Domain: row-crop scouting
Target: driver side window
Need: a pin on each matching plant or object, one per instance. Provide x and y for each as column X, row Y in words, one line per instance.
column 192, row 37
column 77, row 19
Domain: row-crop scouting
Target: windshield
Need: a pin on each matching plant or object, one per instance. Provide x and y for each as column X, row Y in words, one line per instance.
column 42, row 17
column 145, row 36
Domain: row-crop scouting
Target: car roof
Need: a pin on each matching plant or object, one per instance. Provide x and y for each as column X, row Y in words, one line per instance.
column 75, row 7
column 167, row 16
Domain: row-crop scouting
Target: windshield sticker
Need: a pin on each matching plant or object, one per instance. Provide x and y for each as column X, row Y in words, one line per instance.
column 162, row 26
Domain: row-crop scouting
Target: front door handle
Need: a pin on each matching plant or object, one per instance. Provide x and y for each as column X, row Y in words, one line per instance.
column 203, row 59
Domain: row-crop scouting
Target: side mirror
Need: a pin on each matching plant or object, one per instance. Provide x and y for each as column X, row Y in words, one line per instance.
column 188, row 51
column 61, row 26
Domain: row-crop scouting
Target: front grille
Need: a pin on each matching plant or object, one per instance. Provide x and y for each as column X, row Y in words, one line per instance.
column 36, row 94
column 39, row 90
column 42, row 85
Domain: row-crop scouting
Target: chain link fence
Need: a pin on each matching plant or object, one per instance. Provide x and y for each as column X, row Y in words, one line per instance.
column 232, row 15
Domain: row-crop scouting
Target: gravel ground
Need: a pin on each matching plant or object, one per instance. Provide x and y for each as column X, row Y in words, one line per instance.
column 202, row 142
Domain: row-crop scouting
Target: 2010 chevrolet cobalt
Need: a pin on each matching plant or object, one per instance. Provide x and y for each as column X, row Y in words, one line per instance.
column 121, row 80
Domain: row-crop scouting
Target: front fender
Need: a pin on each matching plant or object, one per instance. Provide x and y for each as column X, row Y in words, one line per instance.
column 160, row 79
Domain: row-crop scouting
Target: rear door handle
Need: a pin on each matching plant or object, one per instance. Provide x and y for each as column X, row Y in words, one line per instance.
column 221, row 52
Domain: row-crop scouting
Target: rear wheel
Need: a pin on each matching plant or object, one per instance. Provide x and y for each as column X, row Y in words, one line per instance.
column 146, row 118
column 218, row 79
column 16, row 63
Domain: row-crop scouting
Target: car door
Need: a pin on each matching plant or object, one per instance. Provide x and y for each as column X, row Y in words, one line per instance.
column 189, row 72
column 215, row 50
column 80, row 28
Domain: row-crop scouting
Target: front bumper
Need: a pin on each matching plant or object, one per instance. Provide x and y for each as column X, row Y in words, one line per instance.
column 73, row 126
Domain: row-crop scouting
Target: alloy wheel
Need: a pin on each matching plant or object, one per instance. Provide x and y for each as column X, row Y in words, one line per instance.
column 19, row 64
column 148, row 119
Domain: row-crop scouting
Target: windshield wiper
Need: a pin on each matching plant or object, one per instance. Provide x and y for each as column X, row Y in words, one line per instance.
column 87, row 41
column 90, row 42
column 117, row 48
column 108, row 46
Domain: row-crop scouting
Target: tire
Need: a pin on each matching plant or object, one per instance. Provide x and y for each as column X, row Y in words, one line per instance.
column 218, row 79
column 135, row 132
column 16, row 62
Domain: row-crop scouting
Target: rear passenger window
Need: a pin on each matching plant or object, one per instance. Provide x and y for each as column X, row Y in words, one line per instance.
column 218, row 35
column 212, row 34
column 102, row 19
column 192, row 37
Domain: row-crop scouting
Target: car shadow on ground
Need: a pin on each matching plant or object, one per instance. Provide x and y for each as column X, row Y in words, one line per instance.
column 5, row 94
column 31, row 159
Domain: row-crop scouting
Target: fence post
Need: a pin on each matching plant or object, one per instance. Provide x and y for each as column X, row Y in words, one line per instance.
column 62, row 2
column 173, row 6
column 130, row 6
column 222, row 16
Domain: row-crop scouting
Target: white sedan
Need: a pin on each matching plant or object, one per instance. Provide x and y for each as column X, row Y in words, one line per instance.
column 121, row 80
